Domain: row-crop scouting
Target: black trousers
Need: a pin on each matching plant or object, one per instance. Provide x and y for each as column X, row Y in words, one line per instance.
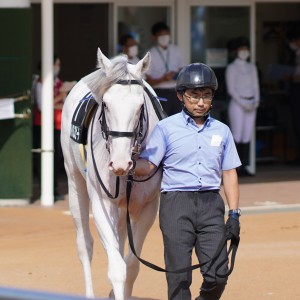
column 193, row 220
column 173, row 105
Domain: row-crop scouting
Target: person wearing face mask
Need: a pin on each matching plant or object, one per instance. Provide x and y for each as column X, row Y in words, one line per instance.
column 166, row 62
column 243, row 88
column 130, row 48
column 60, row 93
column 293, row 37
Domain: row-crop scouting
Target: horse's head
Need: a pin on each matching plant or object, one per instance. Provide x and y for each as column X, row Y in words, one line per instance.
column 122, row 108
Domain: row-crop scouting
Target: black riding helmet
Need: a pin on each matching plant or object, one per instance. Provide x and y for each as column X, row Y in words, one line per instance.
column 196, row 75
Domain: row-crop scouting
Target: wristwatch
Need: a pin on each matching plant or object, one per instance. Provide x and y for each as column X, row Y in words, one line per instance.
column 236, row 212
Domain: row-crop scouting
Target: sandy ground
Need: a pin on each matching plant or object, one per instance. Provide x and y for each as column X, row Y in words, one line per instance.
column 38, row 251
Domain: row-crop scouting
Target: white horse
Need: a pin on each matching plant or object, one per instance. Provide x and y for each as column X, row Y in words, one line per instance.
column 118, row 88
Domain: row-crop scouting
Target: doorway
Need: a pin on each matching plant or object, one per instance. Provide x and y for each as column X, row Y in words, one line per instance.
column 212, row 29
column 79, row 29
column 273, row 21
column 138, row 20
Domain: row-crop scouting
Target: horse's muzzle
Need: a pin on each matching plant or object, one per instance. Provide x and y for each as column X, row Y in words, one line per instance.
column 119, row 170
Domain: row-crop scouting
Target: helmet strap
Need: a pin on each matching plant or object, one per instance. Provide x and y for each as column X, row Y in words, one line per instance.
column 192, row 115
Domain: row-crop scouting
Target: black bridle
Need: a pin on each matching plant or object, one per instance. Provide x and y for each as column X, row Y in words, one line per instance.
column 138, row 133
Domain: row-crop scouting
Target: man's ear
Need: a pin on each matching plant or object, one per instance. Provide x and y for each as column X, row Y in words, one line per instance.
column 180, row 96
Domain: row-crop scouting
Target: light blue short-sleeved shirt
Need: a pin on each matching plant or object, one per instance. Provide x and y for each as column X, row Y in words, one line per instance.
column 192, row 157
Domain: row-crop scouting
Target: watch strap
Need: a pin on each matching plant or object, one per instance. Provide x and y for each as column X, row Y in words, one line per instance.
column 236, row 212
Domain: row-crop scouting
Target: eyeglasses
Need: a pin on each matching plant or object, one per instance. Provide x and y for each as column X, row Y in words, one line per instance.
column 194, row 100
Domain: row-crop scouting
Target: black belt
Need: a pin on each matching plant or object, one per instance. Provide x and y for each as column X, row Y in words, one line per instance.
column 199, row 191
column 207, row 191
column 248, row 98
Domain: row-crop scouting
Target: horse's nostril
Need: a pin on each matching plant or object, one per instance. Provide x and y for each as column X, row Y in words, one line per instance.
column 130, row 164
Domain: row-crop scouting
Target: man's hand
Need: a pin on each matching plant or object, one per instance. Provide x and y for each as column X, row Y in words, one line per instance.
column 247, row 105
column 232, row 229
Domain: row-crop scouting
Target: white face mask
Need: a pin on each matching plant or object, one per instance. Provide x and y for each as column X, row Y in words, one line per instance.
column 243, row 54
column 133, row 51
column 293, row 46
column 163, row 40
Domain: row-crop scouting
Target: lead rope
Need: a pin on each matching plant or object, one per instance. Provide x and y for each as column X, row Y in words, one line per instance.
column 233, row 246
column 130, row 237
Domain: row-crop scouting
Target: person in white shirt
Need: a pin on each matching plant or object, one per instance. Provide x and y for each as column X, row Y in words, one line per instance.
column 243, row 88
column 166, row 62
column 130, row 47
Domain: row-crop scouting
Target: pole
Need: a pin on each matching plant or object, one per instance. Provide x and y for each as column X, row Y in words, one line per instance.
column 47, row 155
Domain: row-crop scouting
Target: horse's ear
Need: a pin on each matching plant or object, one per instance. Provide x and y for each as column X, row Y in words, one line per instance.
column 143, row 65
column 103, row 61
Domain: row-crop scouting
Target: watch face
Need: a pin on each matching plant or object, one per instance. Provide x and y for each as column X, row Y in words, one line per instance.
column 238, row 211
column 235, row 211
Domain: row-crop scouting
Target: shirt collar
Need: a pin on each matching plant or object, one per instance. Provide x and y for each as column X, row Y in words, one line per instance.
column 188, row 119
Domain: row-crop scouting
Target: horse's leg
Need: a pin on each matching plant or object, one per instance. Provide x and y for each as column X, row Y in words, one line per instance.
column 122, row 229
column 106, row 218
column 140, row 229
column 79, row 207
column 122, row 237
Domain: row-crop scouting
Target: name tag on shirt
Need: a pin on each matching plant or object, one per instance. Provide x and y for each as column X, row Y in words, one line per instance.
column 216, row 140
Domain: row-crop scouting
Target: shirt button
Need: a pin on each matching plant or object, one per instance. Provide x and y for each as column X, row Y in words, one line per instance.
column 199, row 147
